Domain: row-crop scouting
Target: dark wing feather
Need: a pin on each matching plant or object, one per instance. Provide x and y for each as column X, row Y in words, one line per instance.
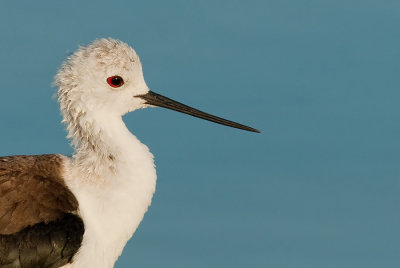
column 43, row 245
column 38, row 227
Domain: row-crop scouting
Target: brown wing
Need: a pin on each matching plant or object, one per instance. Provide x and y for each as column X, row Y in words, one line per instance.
column 32, row 191
column 38, row 222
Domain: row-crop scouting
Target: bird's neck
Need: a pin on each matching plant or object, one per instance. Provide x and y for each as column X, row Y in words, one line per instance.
column 103, row 144
column 114, row 178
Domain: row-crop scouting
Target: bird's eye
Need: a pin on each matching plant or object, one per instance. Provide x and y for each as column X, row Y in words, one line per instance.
column 115, row 81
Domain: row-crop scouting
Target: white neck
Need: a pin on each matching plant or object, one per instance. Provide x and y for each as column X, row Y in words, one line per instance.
column 101, row 142
column 114, row 191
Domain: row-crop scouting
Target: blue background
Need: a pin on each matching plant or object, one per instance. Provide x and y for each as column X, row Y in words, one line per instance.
column 319, row 187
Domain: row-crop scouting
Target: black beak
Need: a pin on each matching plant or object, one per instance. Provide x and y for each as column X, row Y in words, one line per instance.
column 155, row 99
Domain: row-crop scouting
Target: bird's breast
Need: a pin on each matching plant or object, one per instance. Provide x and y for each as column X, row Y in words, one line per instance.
column 113, row 209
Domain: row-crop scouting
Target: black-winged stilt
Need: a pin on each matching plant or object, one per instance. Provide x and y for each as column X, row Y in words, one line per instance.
column 79, row 212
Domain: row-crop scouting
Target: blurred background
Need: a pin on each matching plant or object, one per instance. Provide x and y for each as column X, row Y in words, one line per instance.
column 319, row 187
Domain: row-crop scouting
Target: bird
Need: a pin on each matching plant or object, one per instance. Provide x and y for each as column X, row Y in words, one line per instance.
column 80, row 211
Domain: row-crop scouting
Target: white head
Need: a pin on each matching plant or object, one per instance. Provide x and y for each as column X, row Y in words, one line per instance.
column 84, row 80
column 105, row 78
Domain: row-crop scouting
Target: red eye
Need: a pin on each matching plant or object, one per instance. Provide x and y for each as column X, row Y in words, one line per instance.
column 115, row 81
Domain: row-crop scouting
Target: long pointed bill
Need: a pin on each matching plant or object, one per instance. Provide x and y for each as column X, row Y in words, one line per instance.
column 155, row 99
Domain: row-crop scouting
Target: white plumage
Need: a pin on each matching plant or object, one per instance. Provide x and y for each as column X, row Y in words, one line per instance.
column 112, row 173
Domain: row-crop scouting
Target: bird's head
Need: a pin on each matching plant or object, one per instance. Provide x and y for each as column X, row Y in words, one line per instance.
column 106, row 78
column 103, row 77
